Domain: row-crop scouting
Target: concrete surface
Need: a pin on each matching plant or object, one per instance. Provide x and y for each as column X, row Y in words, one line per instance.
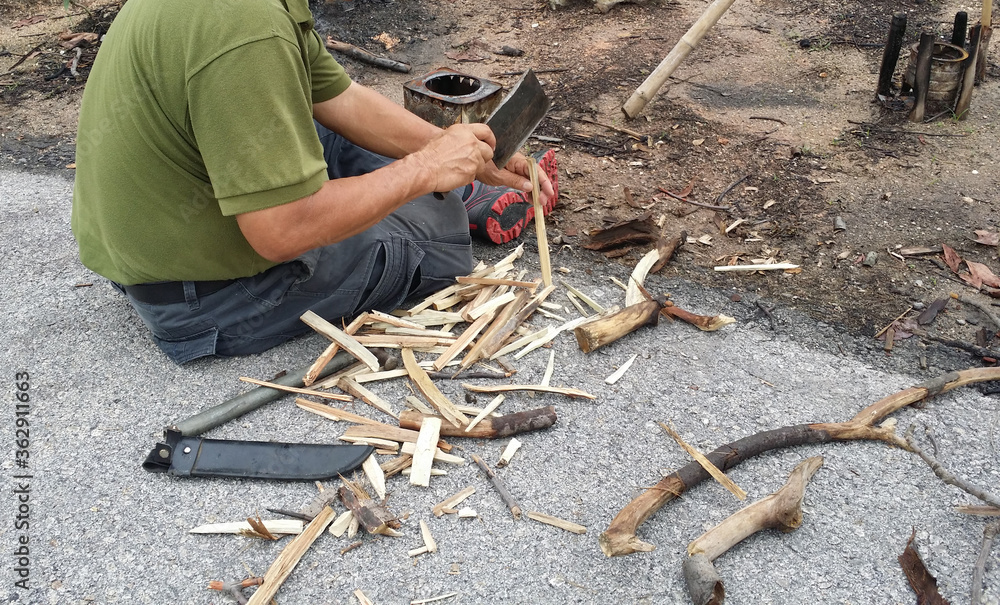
column 102, row 530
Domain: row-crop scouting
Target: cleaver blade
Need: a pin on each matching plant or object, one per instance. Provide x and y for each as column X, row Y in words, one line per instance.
column 513, row 121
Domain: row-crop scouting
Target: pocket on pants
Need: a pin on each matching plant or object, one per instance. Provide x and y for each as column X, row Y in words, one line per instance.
column 387, row 291
column 188, row 348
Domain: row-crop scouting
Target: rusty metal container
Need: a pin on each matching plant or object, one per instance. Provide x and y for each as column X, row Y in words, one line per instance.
column 946, row 71
column 445, row 97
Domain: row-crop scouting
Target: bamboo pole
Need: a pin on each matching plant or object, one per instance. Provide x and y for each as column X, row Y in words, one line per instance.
column 648, row 89
column 897, row 30
column 922, row 75
column 969, row 74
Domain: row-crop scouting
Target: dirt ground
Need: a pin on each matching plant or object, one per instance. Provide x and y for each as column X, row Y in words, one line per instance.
column 771, row 117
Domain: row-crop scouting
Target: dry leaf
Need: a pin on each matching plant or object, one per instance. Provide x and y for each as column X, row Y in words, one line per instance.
column 951, row 258
column 982, row 274
column 386, row 40
column 987, row 238
column 723, row 141
column 923, row 583
column 29, row 21
column 930, row 313
column 72, row 40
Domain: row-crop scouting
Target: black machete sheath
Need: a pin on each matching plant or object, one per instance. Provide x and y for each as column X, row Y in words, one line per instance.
column 199, row 457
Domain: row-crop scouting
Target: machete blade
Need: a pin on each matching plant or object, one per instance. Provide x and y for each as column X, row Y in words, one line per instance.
column 513, row 121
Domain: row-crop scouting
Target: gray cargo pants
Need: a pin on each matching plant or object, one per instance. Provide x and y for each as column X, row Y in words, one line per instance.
column 414, row 251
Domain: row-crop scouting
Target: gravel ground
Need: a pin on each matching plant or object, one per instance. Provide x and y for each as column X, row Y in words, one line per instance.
column 102, row 530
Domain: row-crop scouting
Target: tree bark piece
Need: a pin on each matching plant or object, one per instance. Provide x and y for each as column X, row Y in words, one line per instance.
column 423, row 453
column 346, row 342
column 372, row 515
column 396, row 465
column 667, row 249
column 503, row 388
column 496, row 427
column 595, row 334
column 430, row 391
column 289, row 558
column 648, row 89
column 705, row 323
column 452, row 501
column 700, row 458
column 620, row 537
column 366, row 57
column 569, row 526
column 989, row 534
column 781, row 510
column 508, row 499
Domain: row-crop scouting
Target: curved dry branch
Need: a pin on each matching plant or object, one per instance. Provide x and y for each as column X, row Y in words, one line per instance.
column 620, row 537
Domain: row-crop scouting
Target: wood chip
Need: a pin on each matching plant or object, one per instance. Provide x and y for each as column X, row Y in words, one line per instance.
column 423, row 453
column 362, row 598
column 415, row 403
column 493, row 405
column 432, row 599
column 346, row 341
column 508, row 452
column 435, row 472
column 375, row 475
column 430, row 391
column 549, row 368
column 633, row 293
column 343, row 522
column 425, row 533
column 279, row 387
column 713, row 470
column 331, row 412
column 452, row 501
column 351, row 386
column 467, row 513
column 376, row 376
column 439, row 456
column 576, row 528
column 289, row 558
column 394, row 434
column 621, row 370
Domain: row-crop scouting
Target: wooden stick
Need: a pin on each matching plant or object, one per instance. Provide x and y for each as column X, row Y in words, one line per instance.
column 391, row 341
column 319, row 364
column 397, row 465
column 491, row 281
column 452, row 501
column 620, row 537
column 543, row 240
column 289, row 558
column 989, row 534
column 595, row 334
column 376, row 376
column 586, row 299
column 496, row 427
column 351, row 386
column 515, row 508
column 275, row 526
column 362, row 597
column 969, row 73
column 782, row 510
column 549, row 368
column 463, row 341
column 713, row 470
column 430, row 391
column 502, row 326
column 922, row 75
column 332, row 413
column 771, row 267
column 648, row 89
column 366, row 57
column 423, row 453
column 569, row 526
column 504, row 388
column 345, row 340
column 279, row 387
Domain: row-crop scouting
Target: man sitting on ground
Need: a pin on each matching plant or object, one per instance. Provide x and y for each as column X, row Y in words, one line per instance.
column 230, row 177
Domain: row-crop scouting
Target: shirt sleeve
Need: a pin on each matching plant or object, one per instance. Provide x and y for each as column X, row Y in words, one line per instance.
column 251, row 115
column 328, row 77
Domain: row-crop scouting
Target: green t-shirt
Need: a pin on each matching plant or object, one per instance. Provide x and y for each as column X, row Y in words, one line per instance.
column 196, row 111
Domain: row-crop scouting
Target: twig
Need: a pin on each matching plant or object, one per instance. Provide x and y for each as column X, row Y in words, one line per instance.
column 684, row 199
column 467, row 374
column 782, row 122
column 235, row 589
column 552, row 70
column 984, row 308
column 730, row 188
column 769, row 313
column 989, row 533
column 350, row 547
column 977, row 351
column 22, row 60
column 889, row 325
column 508, row 499
column 896, row 131
column 631, row 133
column 366, row 57
column 946, row 476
